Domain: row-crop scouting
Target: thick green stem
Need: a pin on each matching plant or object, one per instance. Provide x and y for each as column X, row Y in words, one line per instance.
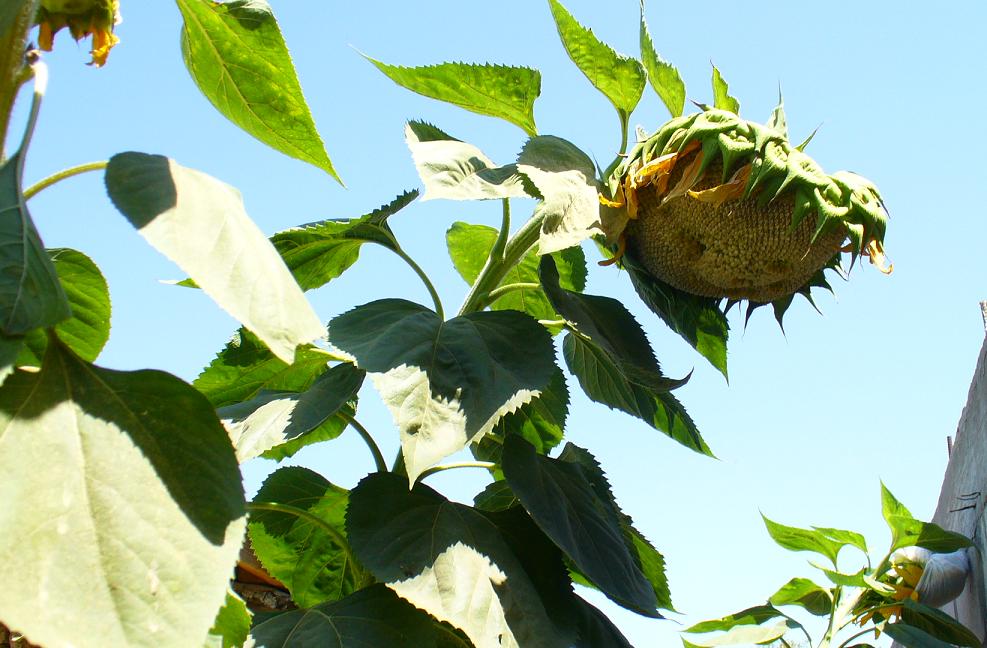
column 459, row 464
column 302, row 514
column 41, row 185
column 14, row 71
column 368, row 439
column 496, row 269
column 425, row 280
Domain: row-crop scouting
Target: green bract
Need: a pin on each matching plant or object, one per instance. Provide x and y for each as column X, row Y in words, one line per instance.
column 719, row 206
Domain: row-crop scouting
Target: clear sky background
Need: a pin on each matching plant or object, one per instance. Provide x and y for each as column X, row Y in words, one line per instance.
column 810, row 421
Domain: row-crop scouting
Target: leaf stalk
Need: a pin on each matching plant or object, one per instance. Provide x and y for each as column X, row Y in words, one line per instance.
column 64, row 174
column 368, row 439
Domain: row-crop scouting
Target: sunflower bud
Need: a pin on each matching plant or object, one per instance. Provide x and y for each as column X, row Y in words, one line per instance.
column 83, row 18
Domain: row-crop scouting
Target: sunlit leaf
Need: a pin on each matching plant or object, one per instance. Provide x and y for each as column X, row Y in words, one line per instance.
column 88, row 330
column 201, row 225
column 246, row 365
column 796, row 539
column 232, row 624
column 610, row 355
column 620, row 78
column 803, row 592
column 30, row 293
column 319, row 252
column 566, row 179
column 451, row 561
column 276, row 417
column 445, row 383
column 237, row 56
column 906, row 531
column 469, row 247
column 455, row 170
column 777, row 120
column 501, row 91
column 138, row 508
column 582, row 522
column 699, row 320
column 297, row 551
column 721, row 94
column 844, row 537
column 374, row 616
column 663, row 76
column 756, row 615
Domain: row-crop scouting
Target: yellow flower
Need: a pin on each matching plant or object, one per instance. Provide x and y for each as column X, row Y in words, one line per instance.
column 84, row 18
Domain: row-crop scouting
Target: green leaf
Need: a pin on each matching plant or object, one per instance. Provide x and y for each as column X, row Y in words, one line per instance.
column 595, row 629
column 609, row 353
column 497, row 496
column 844, row 537
column 906, row 531
column 10, row 348
column 756, row 616
column 455, row 170
column 273, row 418
column 777, row 120
column 237, row 56
column 805, row 593
column 911, row 637
column 796, row 539
column 319, row 252
column 620, row 78
column 246, row 365
column 232, row 624
column 297, row 551
column 582, row 522
column 721, row 94
column 201, row 225
column 87, row 331
column 500, row 91
column 750, row 626
column 374, row 616
column 469, row 247
column 446, row 383
column 699, row 320
column 30, row 294
column 858, row 579
column 938, row 624
column 651, row 562
column 330, row 429
column 446, row 549
column 664, row 77
column 139, row 508
column 566, row 179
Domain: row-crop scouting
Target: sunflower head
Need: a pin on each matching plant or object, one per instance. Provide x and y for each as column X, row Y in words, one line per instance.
column 718, row 206
column 83, row 18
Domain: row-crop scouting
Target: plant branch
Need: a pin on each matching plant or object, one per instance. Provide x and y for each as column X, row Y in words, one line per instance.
column 425, row 280
column 459, row 464
column 852, row 637
column 499, row 292
column 368, row 439
column 41, row 185
column 496, row 269
column 14, row 72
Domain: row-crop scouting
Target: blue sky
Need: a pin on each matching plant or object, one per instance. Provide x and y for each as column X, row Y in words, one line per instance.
column 810, row 421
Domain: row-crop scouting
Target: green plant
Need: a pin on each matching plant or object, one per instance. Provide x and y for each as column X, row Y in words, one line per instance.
column 878, row 598
column 150, row 507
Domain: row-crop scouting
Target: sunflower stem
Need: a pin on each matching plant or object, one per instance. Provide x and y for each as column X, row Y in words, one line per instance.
column 14, row 69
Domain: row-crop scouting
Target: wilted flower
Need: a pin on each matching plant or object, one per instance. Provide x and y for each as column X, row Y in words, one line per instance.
column 83, row 18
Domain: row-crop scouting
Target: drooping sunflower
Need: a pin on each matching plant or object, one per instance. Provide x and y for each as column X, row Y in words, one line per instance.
column 83, row 18
column 722, row 207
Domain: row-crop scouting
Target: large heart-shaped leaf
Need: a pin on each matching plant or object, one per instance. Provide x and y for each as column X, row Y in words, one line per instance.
column 374, row 616
column 451, row 561
column 699, row 320
column 306, row 551
column 246, row 365
column 30, row 293
column 582, row 522
column 88, row 330
column 237, row 56
column 138, row 508
column 319, row 252
column 566, row 179
column 275, row 417
column 664, row 78
column 501, row 91
column 455, row 170
column 445, row 383
column 469, row 247
column 620, row 78
column 201, row 225
column 609, row 353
